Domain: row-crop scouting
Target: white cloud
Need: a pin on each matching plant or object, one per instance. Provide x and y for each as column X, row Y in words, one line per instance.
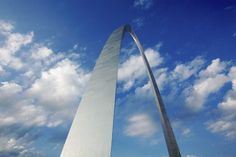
column 198, row 94
column 213, row 69
column 9, row 93
column 186, row 132
column 49, row 86
column 165, row 77
column 12, row 147
column 226, row 123
column 143, row 91
column 229, row 104
column 60, row 86
column 44, row 91
column 143, row 4
column 8, row 89
column 179, row 74
column 5, row 27
column 140, row 125
column 134, row 68
column 16, row 40
column 1, row 70
column 41, row 52
column 211, row 80
column 162, row 77
column 13, row 43
column 24, row 114
column 205, row 81
column 184, row 71
column 223, row 126
column 17, row 109
column 190, row 155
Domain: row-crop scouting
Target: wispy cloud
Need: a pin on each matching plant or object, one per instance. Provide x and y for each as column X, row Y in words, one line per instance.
column 234, row 34
column 138, row 22
column 231, row 8
column 186, row 132
column 140, row 125
column 190, row 155
column 143, row 4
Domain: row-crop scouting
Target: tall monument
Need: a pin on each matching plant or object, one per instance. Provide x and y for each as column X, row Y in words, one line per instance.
column 91, row 132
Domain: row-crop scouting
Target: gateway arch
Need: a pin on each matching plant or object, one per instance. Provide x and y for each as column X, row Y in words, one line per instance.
column 91, row 132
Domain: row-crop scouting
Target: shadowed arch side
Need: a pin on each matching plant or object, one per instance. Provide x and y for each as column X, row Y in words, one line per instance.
column 91, row 132
column 172, row 145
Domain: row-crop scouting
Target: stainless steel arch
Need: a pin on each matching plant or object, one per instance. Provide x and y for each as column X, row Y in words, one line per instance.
column 91, row 131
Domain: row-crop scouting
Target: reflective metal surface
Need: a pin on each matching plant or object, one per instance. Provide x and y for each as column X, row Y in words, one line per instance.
column 91, row 131
column 172, row 145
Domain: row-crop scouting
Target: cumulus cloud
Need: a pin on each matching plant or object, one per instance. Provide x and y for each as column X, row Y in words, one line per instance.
column 13, row 145
column 8, row 91
column 16, row 109
column 140, row 125
column 226, row 123
column 214, row 68
column 133, row 68
column 12, row 44
column 166, row 77
column 48, row 86
column 6, row 27
column 194, row 82
column 210, row 80
column 184, row 71
column 229, row 103
column 41, row 52
column 61, row 85
column 41, row 89
column 197, row 95
column 24, row 114
column 181, row 73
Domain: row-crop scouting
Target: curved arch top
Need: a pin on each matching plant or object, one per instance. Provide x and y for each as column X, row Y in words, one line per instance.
column 91, row 131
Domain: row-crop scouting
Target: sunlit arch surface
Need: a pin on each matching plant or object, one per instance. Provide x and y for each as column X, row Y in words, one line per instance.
column 91, row 131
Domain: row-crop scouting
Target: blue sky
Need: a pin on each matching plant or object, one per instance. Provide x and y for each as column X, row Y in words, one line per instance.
column 48, row 50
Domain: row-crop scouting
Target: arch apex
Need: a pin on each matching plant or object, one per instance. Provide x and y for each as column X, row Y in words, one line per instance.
column 127, row 28
column 91, row 130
